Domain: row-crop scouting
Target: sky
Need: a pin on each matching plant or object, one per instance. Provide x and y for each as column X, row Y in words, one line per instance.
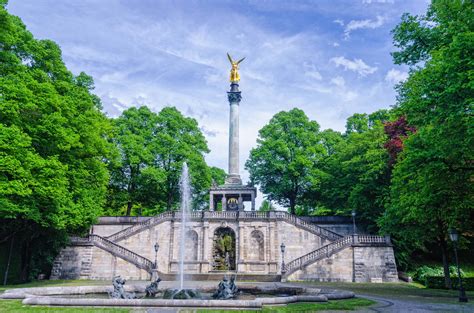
column 330, row 58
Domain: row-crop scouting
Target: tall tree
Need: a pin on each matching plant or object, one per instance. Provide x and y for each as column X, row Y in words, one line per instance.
column 285, row 161
column 357, row 175
column 134, row 133
column 178, row 139
column 52, row 147
column 153, row 148
column 432, row 180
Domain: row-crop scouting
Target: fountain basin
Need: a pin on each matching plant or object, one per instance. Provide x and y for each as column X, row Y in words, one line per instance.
column 255, row 296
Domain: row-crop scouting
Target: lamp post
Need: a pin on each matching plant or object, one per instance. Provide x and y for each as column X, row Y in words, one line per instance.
column 453, row 234
column 282, row 248
column 353, row 221
column 157, row 246
column 154, row 270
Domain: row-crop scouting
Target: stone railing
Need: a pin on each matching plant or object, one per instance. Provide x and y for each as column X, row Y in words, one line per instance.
column 331, row 248
column 225, row 215
column 129, row 231
column 298, row 222
column 117, row 250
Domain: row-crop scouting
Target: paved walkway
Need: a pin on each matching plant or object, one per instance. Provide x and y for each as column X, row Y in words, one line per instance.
column 389, row 304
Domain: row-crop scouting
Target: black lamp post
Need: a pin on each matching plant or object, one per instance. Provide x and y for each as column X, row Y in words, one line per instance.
column 282, row 248
column 353, row 221
column 453, row 234
column 157, row 246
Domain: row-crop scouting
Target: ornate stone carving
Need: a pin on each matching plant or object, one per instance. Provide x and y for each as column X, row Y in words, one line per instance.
column 234, row 97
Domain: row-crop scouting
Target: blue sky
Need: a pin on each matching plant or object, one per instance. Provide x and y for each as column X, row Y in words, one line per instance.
column 329, row 58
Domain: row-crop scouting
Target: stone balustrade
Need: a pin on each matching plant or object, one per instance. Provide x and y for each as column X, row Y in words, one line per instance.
column 115, row 249
column 226, row 215
column 333, row 247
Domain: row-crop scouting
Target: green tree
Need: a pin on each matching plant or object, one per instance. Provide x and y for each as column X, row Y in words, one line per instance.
column 178, row 139
column 285, row 161
column 356, row 174
column 432, row 180
column 153, row 148
column 266, row 206
column 217, row 175
column 53, row 143
column 131, row 174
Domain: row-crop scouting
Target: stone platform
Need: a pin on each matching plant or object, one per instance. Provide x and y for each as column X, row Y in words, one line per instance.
column 312, row 252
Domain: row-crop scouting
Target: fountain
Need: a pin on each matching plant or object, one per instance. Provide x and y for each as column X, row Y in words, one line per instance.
column 186, row 202
column 185, row 192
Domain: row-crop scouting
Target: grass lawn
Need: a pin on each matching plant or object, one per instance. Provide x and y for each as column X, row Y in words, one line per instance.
column 347, row 305
column 15, row 306
column 52, row 283
column 412, row 291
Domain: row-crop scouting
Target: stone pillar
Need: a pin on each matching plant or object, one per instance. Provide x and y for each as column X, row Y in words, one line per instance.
column 253, row 201
column 241, row 202
column 234, row 98
column 224, row 203
column 211, row 201
column 240, row 256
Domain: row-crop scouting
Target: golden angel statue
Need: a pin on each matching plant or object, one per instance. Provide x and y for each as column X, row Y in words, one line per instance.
column 234, row 72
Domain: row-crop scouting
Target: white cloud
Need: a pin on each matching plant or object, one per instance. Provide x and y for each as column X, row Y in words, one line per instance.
column 361, row 24
column 338, row 81
column 357, row 65
column 339, row 21
column 395, row 76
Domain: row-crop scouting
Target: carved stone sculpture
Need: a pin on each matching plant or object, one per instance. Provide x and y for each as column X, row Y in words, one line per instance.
column 119, row 291
column 152, row 289
column 226, row 289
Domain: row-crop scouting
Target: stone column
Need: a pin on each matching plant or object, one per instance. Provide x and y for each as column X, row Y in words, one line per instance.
column 211, row 201
column 253, row 201
column 224, row 203
column 234, row 98
column 241, row 203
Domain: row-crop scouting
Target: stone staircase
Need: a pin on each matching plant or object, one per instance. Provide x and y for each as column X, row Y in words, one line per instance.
column 225, row 215
column 332, row 248
column 116, row 250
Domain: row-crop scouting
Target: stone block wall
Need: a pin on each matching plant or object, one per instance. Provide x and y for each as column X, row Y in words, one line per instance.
column 372, row 264
column 73, row 262
column 375, row 264
column 106, row 266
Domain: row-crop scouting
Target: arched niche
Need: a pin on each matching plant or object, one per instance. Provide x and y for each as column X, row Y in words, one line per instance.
column 223, row 250
column 191, row 244
column 256, row 249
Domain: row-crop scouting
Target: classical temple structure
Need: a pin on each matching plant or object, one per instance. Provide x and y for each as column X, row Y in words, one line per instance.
column 267, row 246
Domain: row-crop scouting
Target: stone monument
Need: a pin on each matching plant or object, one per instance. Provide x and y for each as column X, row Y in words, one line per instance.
column 233, row 194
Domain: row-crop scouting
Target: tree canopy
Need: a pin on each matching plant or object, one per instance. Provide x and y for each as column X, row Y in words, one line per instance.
column 431, row 188
column 285, row 161
column 53, row 143
column 152, row 149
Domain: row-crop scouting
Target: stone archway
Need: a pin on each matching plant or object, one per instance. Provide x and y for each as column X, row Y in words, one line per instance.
column 223, row 250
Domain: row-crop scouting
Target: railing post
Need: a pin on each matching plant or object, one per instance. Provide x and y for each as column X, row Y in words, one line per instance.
column 387, row 239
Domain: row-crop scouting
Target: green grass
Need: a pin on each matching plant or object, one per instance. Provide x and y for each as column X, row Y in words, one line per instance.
column 52, row 283
column 412, row 291
column 347, row 305
column 15, row 306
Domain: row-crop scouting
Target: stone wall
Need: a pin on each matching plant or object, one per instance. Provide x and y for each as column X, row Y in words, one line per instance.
column 257, row 242
column 375, row 264
column 73, row 262
column 338, row 267
column 372, row 264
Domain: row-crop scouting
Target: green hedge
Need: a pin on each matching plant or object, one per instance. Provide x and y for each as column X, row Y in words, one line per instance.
column 437, row 282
